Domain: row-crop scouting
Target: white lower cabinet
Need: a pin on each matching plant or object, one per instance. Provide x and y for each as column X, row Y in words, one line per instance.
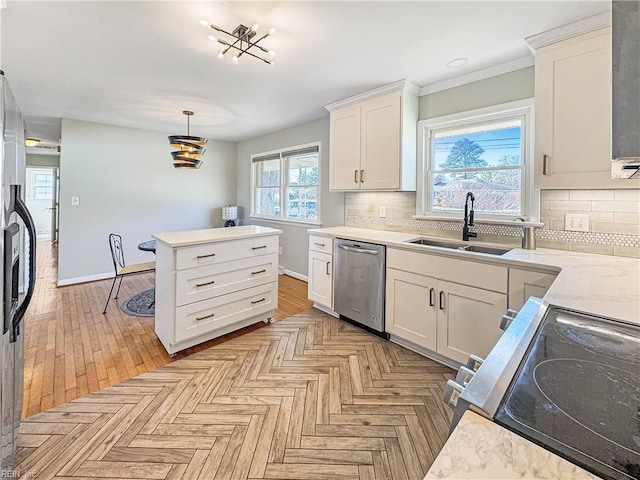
column 525, row 283
column 411, row 307
column 320, row 273
column 428, row 304
column 468, row 320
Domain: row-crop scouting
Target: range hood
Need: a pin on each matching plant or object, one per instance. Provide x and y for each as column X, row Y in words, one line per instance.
column 625, row 139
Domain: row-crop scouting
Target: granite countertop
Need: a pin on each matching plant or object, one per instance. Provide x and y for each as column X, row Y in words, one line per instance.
column 212, row 235
column 479, row 449
column 599, row 284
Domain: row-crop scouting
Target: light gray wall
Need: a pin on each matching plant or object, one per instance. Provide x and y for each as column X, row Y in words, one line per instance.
column 504, row 88
column 127, row 185
column 43, row 160
column 294, row 241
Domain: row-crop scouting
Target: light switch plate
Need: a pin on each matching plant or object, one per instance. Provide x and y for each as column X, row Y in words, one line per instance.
column 75, row 201
column 577, row 222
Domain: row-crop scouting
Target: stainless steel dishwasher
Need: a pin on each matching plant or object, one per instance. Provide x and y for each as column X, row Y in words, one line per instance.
column 359, row 273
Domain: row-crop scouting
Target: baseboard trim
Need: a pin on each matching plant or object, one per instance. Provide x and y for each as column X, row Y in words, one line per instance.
column 90, row 278
column 293, row 274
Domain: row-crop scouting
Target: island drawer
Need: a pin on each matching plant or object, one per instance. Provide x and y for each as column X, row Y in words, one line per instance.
column 207, row 316
column 202, row 283
column 219, row 252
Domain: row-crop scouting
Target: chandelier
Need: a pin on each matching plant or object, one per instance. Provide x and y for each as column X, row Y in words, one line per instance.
column 241, row 39
column 190, row 148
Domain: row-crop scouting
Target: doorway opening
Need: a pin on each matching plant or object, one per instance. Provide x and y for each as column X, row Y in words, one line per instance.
column 42, row 198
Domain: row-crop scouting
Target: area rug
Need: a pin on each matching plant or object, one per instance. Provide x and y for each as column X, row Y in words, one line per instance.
column 141, row 304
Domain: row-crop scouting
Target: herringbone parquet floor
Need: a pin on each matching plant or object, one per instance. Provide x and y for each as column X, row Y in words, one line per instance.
column 309, row 397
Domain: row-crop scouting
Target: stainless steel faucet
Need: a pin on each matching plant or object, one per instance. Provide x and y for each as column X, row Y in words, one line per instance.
column 468, row 218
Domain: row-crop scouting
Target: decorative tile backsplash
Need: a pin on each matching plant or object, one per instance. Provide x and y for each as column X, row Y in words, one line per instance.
column 614, row 220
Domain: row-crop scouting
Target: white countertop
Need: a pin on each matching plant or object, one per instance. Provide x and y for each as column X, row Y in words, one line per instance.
column 211, row 235
column 598, row 284
column 479, row 449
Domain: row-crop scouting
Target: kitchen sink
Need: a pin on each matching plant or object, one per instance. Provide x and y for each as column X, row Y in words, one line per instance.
column 457, row 246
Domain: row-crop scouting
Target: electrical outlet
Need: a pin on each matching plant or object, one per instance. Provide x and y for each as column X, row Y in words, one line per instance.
column 75, row 201
column 578, row 222
column 383, row 212
column 280, row 250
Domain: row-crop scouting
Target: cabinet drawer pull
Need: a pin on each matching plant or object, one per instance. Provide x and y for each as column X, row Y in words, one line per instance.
column 441, row 299
column 258, row 248
column 355, row 176
column 328, row 263
column 317, row 244
column 545, row 159
column 205, row 283
column 258, row 301
column 361, row 176
column 259, row 271
column 431, row 297
column 206, row 256
column 205, row 317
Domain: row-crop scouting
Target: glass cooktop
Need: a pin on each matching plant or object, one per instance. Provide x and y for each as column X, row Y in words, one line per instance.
column 577, row 393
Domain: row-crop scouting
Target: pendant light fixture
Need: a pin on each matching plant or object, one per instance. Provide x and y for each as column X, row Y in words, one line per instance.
column 190, row 148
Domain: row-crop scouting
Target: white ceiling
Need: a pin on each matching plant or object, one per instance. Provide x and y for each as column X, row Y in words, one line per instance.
column 139, row 64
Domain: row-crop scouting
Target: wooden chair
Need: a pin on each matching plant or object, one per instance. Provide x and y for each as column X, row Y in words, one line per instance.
column 121, row 268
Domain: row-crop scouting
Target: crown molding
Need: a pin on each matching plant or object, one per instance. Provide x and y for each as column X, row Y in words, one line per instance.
column 489, row 72
column 563, row 32
column 399, row 86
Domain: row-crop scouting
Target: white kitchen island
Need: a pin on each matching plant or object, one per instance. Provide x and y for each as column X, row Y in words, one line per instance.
column 214, row 281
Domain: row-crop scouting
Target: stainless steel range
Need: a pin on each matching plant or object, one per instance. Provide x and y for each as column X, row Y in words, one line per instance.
column 569, row 382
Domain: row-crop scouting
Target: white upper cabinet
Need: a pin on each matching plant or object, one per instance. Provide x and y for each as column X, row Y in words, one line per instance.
column 573, row 113
column 373, row 140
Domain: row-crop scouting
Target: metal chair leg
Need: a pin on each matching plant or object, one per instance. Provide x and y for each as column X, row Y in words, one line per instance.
column 119, row 285
column 110, row 292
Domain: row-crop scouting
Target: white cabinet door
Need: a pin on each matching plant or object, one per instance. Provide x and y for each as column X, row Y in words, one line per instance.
column 524, row 284
column 468, row 320
column 344, row 149
column 320, row 286
column 573, row 113
column 380, row 143
column 411, row 307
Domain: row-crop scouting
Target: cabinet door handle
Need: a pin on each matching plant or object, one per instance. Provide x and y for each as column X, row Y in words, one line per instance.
column 431, row 297
column 205, row 284
column 259, row 271
column 258, row 248
column 545, row 159
column 258, row 301
column 441, row 299
column 328, row 263
column 206, row 256
column 355, row 176
column 317, row 244
column 361, row 176
column 205, row 317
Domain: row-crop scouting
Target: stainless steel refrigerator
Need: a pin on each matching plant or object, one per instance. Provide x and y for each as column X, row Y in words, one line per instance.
column 17, row 250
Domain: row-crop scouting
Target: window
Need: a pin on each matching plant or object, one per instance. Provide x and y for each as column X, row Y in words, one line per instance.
column 43, row 186
column 286, row 184
column 485, row 152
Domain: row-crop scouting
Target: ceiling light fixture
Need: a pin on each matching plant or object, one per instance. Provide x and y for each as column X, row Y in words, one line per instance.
column 241, row 39
column 190, row 148
column 31, row 142
column 457, row 62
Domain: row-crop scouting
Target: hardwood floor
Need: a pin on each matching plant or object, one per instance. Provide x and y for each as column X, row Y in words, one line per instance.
column 72, row 349
column 308, row 397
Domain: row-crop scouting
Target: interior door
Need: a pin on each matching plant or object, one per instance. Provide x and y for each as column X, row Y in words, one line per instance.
column 55, row 203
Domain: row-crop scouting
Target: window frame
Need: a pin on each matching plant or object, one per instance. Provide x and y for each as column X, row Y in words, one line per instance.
column 284, row 185
column 522, row 109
